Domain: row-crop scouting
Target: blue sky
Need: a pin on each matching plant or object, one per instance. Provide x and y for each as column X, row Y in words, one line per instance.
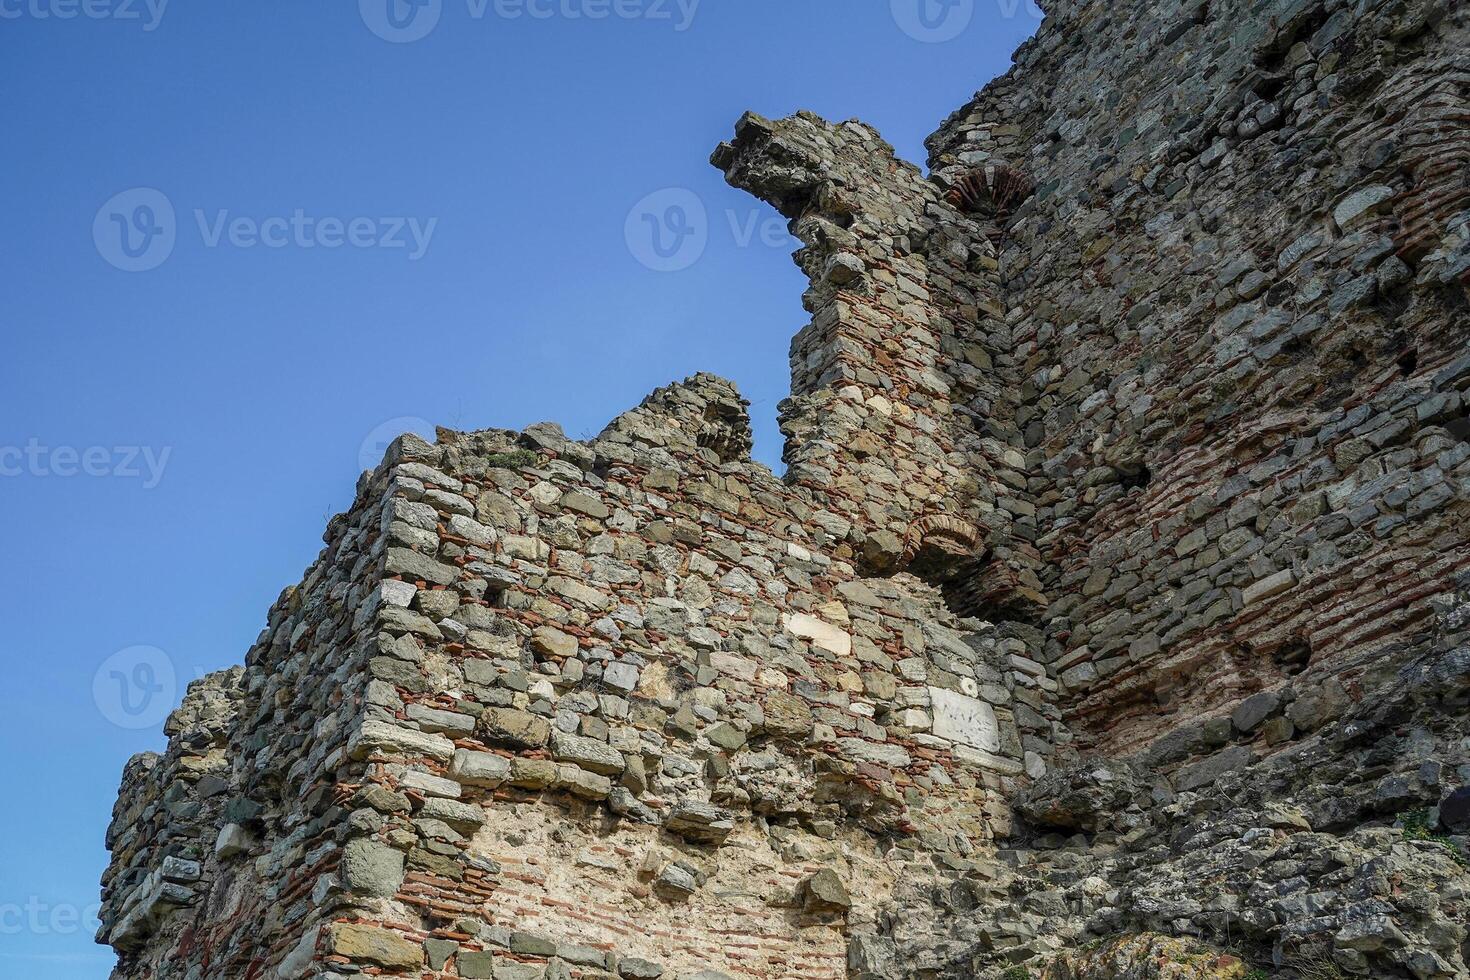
column 244, row 243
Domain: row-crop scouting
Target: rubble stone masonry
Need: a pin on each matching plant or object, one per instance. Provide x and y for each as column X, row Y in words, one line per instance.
column 1112, row 619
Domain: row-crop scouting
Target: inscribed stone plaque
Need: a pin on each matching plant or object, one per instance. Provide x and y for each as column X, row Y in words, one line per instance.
column 964, row 720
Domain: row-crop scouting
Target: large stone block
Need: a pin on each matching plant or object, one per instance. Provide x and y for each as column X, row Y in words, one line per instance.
column 821, row 634
column 964, row 719
column 508, row 726
column 372, row 868
column 373, row 944
column 382, row 738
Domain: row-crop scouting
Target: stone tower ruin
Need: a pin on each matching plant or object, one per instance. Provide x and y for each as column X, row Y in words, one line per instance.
column 1112, row 618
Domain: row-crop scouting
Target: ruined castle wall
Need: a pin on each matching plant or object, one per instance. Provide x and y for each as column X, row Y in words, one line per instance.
column 218, row 845
column 167, row 815
column 1146, row 418
column 902, row 415
column 650, row 627
column 548, row 703
column 1238, row 293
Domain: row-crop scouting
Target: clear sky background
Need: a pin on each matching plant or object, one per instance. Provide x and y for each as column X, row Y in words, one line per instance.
column 172, row 441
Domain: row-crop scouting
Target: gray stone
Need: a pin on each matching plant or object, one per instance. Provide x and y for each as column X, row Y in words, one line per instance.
column 1360, row 205
column 634, row 968
column 824, row 892
column 517, row 728
column 1208, row 770
column 622, row 676
column 464, row 817
column 676, row 881
column 700, row 822
column 439, row 951
column 479, row 768
column 1254, row 710
column 416, row 567
column 233, row 839
column 379, row 737
column 588, row 753
column 1454, row 811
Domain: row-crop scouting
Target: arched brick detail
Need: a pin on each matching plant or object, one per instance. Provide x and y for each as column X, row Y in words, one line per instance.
column 944, row 532
column 991, row 191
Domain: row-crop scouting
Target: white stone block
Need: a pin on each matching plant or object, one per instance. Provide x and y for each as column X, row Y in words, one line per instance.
column 966, row 720
column 823, row 635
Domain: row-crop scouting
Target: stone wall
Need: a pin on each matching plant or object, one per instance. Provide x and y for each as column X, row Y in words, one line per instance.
column 1103, row 625
column 902, row 415
column 1237, row 298
column 220, row 845
column 633, row 659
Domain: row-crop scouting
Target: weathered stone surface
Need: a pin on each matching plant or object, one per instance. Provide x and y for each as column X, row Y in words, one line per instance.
column 964, row 719
column 587, row 753
column 787, row 716
column 414, row 566
column 1109, row 606
column 383, row 738
column 372, row 868
column 824, row 635
column 1208, row 770
column 824, row 892
column 1087, row 796
column 1254, row 710
column 1454, row 811
column 479, row 768
column 466, row 817
column 1147, row 957
column 376, row 946
column 517, row 728
column 700, row 822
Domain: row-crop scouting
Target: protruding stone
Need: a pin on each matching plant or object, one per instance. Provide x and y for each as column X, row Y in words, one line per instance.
column 824, row 893
column 372, row 868
column 377, row 946
column 787, row 716
column 479, row 768
column 701, row 822
column 381, row 738
column 507, row 726
column 588, row 753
